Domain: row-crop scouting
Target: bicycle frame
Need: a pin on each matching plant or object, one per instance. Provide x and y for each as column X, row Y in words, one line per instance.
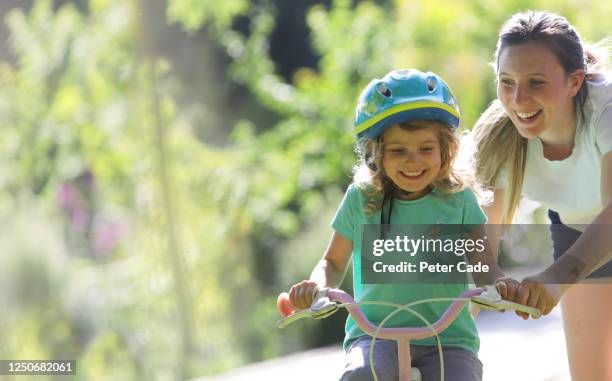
column 403, row 335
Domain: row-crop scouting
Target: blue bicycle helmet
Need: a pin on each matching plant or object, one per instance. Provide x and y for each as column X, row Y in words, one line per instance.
column 404, row 95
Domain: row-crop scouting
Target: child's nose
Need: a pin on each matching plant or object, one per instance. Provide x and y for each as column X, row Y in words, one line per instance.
column 411, row 157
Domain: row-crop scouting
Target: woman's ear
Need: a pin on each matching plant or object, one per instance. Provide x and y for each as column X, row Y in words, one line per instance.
column 575, row 80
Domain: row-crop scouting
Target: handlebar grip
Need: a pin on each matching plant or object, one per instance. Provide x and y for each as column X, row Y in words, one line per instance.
column 284, row 305
column 534, row 312
column 321, row 307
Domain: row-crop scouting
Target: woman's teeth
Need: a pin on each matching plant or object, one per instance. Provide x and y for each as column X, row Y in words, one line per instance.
column 527, row 115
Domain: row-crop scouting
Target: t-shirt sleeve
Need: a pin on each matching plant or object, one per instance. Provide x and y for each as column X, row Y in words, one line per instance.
column 472, row 212
column 502, row 180
column 344, row 220
column 603, row 130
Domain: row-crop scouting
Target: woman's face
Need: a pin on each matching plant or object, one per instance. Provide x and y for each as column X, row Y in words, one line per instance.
column 412, row 159
column 535, row 90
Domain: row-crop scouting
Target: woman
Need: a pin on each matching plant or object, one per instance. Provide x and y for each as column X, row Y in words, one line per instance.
column 548, row 136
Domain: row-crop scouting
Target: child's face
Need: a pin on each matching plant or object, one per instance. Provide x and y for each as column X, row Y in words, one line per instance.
column 411, row 159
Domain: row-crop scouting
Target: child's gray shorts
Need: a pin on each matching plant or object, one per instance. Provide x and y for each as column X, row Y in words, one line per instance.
column 459, row 364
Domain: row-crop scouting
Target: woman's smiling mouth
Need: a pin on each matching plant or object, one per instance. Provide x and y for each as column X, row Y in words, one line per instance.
column 527, row 117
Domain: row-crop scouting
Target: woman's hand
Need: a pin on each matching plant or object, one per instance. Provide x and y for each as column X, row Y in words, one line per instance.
column 539, row 291
column 302, row 294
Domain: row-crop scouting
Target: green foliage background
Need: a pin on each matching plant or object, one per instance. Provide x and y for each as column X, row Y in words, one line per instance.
column 210, row 232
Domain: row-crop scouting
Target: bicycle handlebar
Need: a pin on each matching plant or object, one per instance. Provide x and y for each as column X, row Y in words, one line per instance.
column 326, row 303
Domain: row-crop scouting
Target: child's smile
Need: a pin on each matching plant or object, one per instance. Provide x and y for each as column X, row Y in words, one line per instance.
column 411, row 159
column 412, row 175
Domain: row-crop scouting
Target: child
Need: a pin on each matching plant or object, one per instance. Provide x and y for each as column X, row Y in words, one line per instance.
column 405, row 124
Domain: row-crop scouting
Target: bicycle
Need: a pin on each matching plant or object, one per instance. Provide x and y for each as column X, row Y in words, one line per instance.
column 327, row 301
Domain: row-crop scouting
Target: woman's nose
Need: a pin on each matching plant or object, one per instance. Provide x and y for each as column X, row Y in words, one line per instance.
column 521, row 94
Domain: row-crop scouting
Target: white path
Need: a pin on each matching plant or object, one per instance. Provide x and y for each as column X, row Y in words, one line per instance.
column 511, row 350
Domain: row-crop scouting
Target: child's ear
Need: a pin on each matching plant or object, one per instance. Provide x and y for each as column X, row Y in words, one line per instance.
column 575, row 80
column 370, row 157
column 370, row 162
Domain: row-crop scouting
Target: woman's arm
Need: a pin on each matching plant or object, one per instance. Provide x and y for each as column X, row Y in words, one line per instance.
column 329, row 272
column 594, row 247
column 592, row 250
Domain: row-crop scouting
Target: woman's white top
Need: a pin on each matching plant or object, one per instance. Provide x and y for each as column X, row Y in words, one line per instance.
column 571, row 186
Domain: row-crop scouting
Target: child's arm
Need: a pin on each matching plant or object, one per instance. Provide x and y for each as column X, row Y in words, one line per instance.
column 329, row 272
column 485, row 257
column 508, row 288
column 494, row 213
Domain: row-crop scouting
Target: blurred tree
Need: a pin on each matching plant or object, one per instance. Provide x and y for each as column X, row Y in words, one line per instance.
column 79, row 97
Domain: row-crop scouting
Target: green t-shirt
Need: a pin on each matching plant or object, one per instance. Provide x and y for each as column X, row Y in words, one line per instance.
column 434, row 208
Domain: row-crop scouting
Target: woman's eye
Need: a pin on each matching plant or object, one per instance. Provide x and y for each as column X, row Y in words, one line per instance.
column 536, row 83
column 506, row 82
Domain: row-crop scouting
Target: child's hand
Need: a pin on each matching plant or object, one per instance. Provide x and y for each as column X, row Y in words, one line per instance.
column 507, row 287
column 302, row 294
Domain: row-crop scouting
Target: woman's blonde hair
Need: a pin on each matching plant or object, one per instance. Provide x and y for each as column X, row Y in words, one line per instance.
column 369, row 175
column 500, row 155
column 501, row 150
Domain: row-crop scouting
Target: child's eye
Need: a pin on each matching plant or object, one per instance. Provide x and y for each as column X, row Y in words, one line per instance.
column 536, row 83
column 396, row 150
column 427, row 149
column 506, row 82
